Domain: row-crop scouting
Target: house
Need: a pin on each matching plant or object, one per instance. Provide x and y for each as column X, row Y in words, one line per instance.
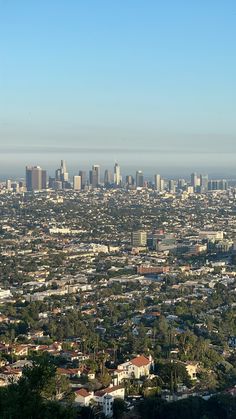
column 83, row 397
column 117, row 392
column 69, row 372
column 192, row 369
column 20, row 350
column 137, row 367
column 117, row 376
column 21, row 364
column 35, row 335
column 9, row 375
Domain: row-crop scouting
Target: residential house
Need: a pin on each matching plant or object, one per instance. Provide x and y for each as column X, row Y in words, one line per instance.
column 83, row 397
column 137, row 367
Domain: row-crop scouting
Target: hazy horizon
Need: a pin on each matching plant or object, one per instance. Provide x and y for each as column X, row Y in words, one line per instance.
column 168, row 164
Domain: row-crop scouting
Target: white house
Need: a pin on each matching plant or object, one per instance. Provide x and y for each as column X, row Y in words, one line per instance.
column 83, row 397
column 117, row 392
column 137, row 367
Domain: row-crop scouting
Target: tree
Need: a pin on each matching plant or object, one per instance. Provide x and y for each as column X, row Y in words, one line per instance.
column 172, row 374
column 119, row 408
column 34, row 395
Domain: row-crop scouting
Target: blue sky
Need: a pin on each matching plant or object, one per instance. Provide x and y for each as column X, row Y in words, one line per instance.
column 147, row 82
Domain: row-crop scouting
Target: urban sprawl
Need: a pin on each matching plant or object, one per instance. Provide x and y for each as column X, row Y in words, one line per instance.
column 125, row 287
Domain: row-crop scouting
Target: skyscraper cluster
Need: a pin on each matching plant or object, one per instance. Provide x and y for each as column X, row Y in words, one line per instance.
column 36, row 180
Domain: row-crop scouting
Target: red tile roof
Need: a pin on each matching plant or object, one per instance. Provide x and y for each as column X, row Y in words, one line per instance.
column 83, row 392
column 140, row 361
column 107, row 390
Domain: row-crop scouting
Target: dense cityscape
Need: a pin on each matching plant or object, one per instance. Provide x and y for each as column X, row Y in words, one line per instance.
column 117, row 209
column 118, row 295
column 36, row 180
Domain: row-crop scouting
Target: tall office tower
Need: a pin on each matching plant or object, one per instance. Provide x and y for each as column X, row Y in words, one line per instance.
column 36, row 178
column 181, row 183
column 223, row 185
column 51, row 182
column 58, row 174
column 129, row 180
column 162, row 185
column 117, row 175
column 8, row 184
column 139, row 179
column 171, row 186
column 203, row 183
column 64, row 173
column 108, row 178
column 216, row 185
column 82, row 174
column 15, row 187
column 95, row 176
column 194, row 180
column 44, row 179
column 139, row 238
column 212, row 185
column 157, row 182
column 77, row 183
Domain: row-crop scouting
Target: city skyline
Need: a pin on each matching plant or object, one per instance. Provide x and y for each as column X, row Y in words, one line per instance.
column 118, row 209
column 37, row 179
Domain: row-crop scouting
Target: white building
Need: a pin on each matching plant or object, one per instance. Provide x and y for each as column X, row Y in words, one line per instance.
column 77, row 183
column 211, row 235
column 107, row 406
column 117, row 175
column 83, row 397
column 5, row 294
column 137, row 367
column 103, row 398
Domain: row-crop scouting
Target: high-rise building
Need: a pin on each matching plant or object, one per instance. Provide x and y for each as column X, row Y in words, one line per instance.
column 139, row 238
column 95, row 176
column 171, row 186
column 108, row 178
column 129, row 180
column 64, row 173
column 82, row 174
column 117, row 175
column 216, row 185
column 58, row 174
column 194, row 180
column 139, row 179
column 77, row 183
column 8, row 184
column 162, row 185
column 61, row 174
column 181, row 184
column 44, row 179
column 204, row 183
column 157, row 182
column 36, row 178
column 223, row 185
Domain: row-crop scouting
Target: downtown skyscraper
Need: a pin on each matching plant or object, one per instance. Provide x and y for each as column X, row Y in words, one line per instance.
column 117, row 175
column 36, row 178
